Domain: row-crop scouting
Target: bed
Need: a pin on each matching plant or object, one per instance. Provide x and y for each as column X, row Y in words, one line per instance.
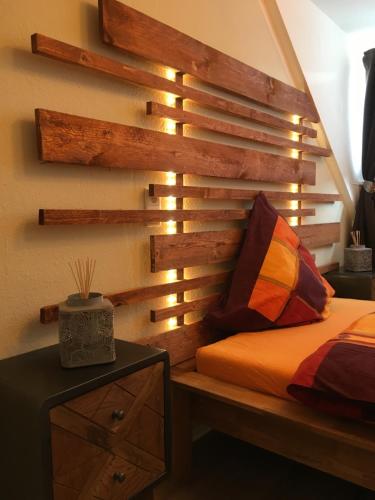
column 239, row 387
column 266, row 361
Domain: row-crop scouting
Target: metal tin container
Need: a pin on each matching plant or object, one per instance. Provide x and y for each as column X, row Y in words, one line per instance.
column 358, row 258
column 86, row 331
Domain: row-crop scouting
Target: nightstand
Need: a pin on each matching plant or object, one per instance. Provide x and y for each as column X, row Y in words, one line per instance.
column 349, row 284
column 100, row 432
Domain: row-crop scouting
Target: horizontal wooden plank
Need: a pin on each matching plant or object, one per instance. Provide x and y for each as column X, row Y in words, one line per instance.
column 289, row 438
column 132, row 31
column 217, row 193
column 50, row 313
column 182, row 343
column 193, row 249
column 234, row 130
column 70, row 54
column 184, row 308
column 210, row 247
column 329, row 267
column 337, row 446
column 339, row 429
column 78, row 140
column 238, row 110
column 318, row 235
column 81, row 217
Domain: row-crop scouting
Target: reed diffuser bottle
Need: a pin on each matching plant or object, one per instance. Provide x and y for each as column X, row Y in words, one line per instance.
column 85, row 322
column 357, row 257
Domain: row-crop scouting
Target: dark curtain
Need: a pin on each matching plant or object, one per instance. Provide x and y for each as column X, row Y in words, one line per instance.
column 365, row 213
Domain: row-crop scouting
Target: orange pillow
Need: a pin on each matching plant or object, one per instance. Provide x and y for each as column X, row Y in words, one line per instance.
column 276, row 282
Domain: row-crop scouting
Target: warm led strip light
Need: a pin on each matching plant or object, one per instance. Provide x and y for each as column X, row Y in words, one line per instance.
column 170, row 201
column 293, row 221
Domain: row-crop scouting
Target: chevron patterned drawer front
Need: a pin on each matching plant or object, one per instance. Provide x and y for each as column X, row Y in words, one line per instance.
column 109, row 443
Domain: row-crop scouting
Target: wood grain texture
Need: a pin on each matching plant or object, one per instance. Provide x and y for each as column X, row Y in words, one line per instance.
column 50, row 313
column 184, row 308
column 84, row 141
column 130, row 30
column 183, row 342
column 347, row 431
column 238, row 110
column 82, row 217
column 193, row 249
column 336, row 446
column 134, row 382
column 217, row 193
column 70, row 54
column 89, row 445
column 227, row 128
column 80, row 466
column 210, row 247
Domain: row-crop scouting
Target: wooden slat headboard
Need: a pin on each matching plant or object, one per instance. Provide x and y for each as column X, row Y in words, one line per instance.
column 211, row 247
column 78, row 140
column 72, row 139
column 134, row 32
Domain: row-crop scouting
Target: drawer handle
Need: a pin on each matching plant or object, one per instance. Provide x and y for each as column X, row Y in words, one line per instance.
column 119, row 476
column 118, row 414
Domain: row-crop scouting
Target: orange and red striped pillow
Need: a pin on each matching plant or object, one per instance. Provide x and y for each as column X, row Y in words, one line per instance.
column 276, row 282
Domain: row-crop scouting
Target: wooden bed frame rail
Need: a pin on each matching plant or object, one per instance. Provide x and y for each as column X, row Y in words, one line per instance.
column 341, row 448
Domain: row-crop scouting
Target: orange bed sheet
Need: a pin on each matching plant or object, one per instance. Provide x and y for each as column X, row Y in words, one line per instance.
column 266, row 361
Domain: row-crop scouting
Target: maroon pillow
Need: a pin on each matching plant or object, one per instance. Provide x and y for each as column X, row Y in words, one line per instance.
column 275, row 282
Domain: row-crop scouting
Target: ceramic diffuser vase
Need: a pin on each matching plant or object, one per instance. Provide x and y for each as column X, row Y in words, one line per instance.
column 85, row 323
column 357, row 257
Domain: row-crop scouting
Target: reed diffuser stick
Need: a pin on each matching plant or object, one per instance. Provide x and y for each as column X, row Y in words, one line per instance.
column 83, row 274
column 356, row 238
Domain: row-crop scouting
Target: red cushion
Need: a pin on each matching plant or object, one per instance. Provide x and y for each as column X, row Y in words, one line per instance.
column 339, row 378
column 275, row 282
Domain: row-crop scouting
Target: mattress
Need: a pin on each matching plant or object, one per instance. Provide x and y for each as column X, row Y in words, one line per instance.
column 266, row 361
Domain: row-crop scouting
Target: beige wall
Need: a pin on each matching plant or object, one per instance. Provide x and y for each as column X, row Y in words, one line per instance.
column 33, row 259
column 326, row 68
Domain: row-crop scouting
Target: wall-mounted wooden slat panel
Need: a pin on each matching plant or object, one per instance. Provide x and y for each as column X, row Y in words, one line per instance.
column 207, row 123
column 239, row 110
column 212, row 193
column 81, row 217
column 184, row 308
column 318, row 235
column 70, row 54
column 193, row 249
column 182, row 343
column 50, row 313
column 134, row 32
column 78, row 140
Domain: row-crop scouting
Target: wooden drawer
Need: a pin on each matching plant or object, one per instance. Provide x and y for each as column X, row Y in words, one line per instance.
column 114, row 432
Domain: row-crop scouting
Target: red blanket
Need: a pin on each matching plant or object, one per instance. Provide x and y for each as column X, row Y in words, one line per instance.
column 339, row 377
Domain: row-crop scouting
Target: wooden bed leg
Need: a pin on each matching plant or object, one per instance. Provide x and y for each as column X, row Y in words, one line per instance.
column 181, row 444
column 181, row 435
column 146, row 495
